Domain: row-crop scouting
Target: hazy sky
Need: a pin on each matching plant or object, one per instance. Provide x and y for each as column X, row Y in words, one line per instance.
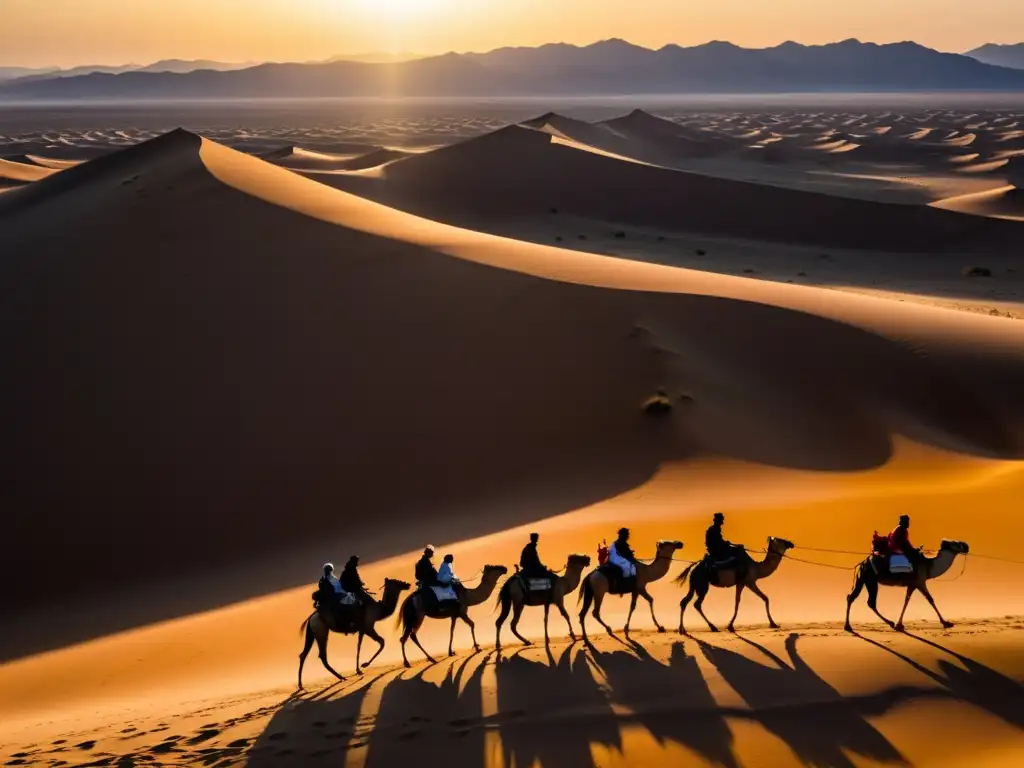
column 68, row 32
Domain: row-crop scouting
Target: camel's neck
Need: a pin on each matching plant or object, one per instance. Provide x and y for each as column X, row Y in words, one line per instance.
column 657, row 569
column 482, row 591
column 387, row 604
column 941, row 563
column 572, row 577
column 769, row 565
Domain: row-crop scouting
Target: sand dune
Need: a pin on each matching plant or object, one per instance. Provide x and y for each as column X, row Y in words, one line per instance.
column 522, row 171
column 21, row 173
column 237, row 372
column 630, row 340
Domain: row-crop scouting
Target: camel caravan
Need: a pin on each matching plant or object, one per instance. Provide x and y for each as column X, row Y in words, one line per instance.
column 344, row 605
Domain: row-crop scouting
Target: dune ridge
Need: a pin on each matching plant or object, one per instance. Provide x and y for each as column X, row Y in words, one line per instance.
column 608, row 349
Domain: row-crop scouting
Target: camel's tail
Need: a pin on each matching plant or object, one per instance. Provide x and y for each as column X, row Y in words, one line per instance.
column 504, row 595
column 305, row 622
column 401, row 619
column 586, row 591
column 681, row 578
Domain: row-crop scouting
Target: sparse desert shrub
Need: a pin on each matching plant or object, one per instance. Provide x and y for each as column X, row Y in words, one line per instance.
column 661, row 238
column 657, row 404
column 701, row 252
column 619, row 235
column 976, row 272
column 553, row 210
column 558, row 238
column 749, row 271
column 582, row 237
column 801, row 273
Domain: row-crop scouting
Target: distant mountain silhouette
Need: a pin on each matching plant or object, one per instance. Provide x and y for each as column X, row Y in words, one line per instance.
column 1000, row 55
column 26, row 75
column 182, row 65
column 610, row 67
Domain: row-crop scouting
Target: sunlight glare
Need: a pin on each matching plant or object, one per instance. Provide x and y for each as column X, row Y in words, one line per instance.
column 397, row 10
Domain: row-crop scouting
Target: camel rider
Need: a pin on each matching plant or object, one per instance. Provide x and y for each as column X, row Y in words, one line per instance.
column 529, row 560
column 330, row 588
column 446, row 575
column 351, row 582
column 717, row 546
column 899, row 541
column 719, row 549
column 621, row 555
column 426, row 574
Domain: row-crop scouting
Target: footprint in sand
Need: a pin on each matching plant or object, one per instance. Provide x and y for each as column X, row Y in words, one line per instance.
column 204, row 735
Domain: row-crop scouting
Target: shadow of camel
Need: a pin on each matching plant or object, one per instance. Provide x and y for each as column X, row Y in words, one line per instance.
column 328, row 720
column 820, row 725
column 417, row 713
column 973, row 682
column 672, row 701
column 560, row 696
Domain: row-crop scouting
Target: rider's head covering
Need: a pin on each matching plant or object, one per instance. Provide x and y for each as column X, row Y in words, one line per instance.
column 623, row 532
column 904, row 519
column 429, row 549
column 328, row 567
column 449, row 558
column 719, row 517
column 534, row 537
column 354, row 560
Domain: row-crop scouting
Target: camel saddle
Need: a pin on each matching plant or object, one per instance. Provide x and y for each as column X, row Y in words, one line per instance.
column 617, row 583
column 441, row 609
column 536, row 589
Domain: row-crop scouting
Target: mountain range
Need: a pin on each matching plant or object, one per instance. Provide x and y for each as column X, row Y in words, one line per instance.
column 609, row 67
column 1000, row 55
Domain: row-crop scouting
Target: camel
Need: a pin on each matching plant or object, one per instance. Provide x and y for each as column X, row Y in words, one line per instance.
column 700, row 582
column 927, row 568
column 595, row 586
column 322, row 622
column 512, row 597
column 414, row 611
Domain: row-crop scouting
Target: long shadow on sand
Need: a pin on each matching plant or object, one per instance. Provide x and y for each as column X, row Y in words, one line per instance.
column 672, row 701
column 969, row 681
column 566, row 708
column 559, row 694
column 783, row 696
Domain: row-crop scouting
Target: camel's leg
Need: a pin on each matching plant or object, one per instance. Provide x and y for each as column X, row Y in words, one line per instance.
column 451, row 638
column 359, row 649
column 565, row 615
column 416, row 640
column 650, row 601
column 873, row 600
column 767, row 607
column 698, row 605
column 739, row 593
column 858, row 586
column 372, row 634
column 931, row 600
column 906, row 602
column 517, row 612
column 472, row 627
column 547, row 610
column 506, row 606
column 321, row 646
column 305, row 647
column 587, row 598
column 682, row 608
column 632, row 607
column 598, row 599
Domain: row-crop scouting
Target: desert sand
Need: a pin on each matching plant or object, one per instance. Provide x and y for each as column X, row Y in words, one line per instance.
column 232, row 363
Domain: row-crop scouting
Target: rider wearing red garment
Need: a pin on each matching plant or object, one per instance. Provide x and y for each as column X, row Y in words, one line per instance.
column 899, row 540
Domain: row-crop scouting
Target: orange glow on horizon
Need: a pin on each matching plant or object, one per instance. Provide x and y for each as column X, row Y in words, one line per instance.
column 72, row 32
